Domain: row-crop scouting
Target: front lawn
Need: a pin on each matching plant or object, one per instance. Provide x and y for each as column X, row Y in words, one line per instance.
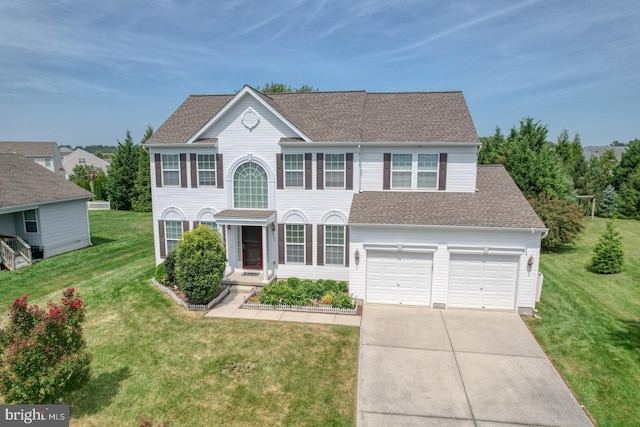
column 153, row 357
column 590, row 325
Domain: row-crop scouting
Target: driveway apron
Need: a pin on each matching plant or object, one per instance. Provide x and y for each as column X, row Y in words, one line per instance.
column 425, row 367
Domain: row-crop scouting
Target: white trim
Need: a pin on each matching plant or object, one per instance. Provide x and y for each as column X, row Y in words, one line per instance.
column 334, row 213
column 172, row 209
column 244, row 91
column 294, row 212
column 20, row 208
column 486, row 250
column 400, row 247
column 380, row 144
column 271, row 190
column 181, row 145
column 449, row 227
column 203, row 211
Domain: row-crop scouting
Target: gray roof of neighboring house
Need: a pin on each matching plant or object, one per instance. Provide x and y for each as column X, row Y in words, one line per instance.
column 29, row 149
column 23, row 182
column 597, row 151
column 349, row 116
column 497, row 202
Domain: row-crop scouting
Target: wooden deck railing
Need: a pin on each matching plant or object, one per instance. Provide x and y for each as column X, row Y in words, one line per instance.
column 7, row 255
column 23, row 249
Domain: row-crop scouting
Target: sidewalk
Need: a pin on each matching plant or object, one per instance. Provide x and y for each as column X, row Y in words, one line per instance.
column 230, row 308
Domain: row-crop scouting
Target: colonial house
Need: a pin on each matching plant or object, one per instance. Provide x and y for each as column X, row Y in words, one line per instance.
column 71, row 159
column 38, row 210
column 45, row 154
column 382, row 190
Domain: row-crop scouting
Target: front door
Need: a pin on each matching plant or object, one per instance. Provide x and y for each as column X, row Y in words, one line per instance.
column 252, row 247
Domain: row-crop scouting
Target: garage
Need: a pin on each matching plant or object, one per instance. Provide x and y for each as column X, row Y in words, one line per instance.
column 399, row 278
column 482, row 281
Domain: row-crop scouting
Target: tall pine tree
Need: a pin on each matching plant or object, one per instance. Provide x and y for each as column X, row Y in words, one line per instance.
column 122, row 174
column 141, row 198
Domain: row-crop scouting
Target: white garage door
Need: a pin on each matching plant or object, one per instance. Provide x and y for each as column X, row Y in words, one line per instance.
column 482, row 281
column 399, row 278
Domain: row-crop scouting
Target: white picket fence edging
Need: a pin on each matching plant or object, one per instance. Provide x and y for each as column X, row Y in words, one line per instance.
column 307, row 309
column 193, row 307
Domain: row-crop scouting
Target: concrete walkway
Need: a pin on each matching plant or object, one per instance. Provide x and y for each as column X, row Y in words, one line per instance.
column 425, row 367
column 230, row 307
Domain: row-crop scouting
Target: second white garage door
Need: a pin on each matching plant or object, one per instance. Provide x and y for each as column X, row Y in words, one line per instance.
column 482, row 281
column 399, row 278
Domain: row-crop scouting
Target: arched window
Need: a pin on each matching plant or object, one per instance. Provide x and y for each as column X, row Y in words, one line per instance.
column 250, row 187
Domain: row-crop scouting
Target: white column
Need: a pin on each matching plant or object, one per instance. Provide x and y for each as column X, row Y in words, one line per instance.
column 226, row 244
column 265, row 256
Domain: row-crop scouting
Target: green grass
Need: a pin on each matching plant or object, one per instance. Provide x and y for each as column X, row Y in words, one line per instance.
column 590, row 325
column 152, row 357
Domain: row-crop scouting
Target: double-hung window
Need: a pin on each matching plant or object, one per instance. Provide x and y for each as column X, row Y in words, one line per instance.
column 428, row 171
column 211, row 224
column 294, row 170
column 401, row 167
column 295, row 243
column 334, row 244
column 206, row 169
column 173, row 234
column 30, row 221
column 171, row 169
column 334, row 170
column 82, row 160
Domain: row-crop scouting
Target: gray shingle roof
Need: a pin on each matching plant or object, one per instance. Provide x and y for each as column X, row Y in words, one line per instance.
column 349, row 116
column 497, row 203
column 23, row 182
column 29, row 149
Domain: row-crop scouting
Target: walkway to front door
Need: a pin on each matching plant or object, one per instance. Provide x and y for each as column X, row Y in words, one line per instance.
column 252, row 247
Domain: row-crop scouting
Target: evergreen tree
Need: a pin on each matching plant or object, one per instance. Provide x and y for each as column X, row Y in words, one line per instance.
column 608, row 255
column 122, row 174
column 629, row 195
column 628, row 163
column 99, row 186
column 141, row 197
column 283, row 88
column 571, row 154
column 599, row 174
column 491, row 148
column 609, row 204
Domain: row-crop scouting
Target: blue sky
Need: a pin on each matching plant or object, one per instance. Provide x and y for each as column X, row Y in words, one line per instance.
column 83, row 72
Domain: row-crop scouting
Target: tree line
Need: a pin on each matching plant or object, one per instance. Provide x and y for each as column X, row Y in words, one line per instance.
column 552, row 175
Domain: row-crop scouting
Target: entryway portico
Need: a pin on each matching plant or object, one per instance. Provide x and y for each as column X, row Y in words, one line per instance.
column 250, row 241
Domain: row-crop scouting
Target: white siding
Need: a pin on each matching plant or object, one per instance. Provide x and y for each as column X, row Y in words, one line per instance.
column 64, row 226
column 448, row 240
column 461, row 165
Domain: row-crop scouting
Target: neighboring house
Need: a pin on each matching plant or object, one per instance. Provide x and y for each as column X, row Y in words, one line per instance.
column 41, row 209
column 597, row 151
column 45, row 154
column 380, row 189
column 81, row 157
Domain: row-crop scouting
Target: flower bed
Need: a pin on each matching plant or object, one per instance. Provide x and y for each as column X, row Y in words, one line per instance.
column 178, row 297
column 322, row 296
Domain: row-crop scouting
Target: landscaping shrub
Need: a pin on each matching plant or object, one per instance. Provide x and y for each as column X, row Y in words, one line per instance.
column 161, row 273
column 170, row 267
column 294, row 291
column 608, row 255
column 200, row 264
column 43, row 353
column 563, row 219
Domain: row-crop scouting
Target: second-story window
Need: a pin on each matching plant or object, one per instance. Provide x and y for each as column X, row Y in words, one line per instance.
column 206, row 169
column 334, row 170
column 427, row 171
column 294, row 170
column 82, row 160
column 47, row 162
column 401, row 165
column 171, row 169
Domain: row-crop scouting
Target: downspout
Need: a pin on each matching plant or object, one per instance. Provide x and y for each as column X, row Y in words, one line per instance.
column 359, row 168
column 88, row 224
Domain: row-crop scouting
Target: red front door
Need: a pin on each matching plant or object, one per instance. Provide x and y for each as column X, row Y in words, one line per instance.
column 252, row 247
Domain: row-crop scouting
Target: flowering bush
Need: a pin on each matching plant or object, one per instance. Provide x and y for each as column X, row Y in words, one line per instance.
column 43, row 352
column 294, row 291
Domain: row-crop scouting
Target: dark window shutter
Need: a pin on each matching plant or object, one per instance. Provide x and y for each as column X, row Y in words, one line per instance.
column 185, row 226
column 320, row 244
column 307, row 171
column 320, row 167
column 163, row 246
column 183, row 170
column 280, row 172
column 194, row 170
column 219, row 171
column 386, row 172
column 346, row 246
column 349, row 179
column 281, row 243
column 196, row 224
column 308, row 234
column 157, row 160
column 442, row 179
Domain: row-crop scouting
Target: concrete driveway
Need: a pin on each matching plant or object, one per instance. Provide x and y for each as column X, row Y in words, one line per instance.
column 425, row 367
